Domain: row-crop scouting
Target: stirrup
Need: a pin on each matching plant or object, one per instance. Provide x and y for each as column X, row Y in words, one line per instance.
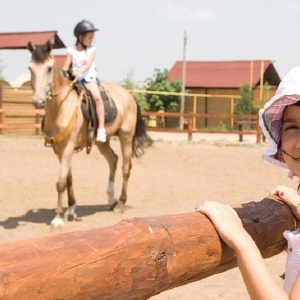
column 89, row 142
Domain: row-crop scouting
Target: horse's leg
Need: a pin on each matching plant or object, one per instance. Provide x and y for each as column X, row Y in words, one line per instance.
column 126, row 147
column 112, row 160
column 71, row 197
column 64, row 178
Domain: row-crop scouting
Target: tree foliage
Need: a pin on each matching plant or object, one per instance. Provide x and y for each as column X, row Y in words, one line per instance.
column 139, row 97
column 265, row 96
column 159, row 83
column 245, row 104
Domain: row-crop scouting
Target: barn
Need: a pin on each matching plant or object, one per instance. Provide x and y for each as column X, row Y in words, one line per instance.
column 19, row 96
column 219, row 82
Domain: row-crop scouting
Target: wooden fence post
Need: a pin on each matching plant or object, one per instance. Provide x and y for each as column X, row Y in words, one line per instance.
column 190, row 127
column 258, row 133
column 1, row 110
column 136, row 258
column 1, row 95
column 2, row 121
column 37, row 121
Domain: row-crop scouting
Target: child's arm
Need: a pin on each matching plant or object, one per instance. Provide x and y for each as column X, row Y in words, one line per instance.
column 67, row 63
column 259, row 281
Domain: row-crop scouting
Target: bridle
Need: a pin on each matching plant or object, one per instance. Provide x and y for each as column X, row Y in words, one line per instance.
column 51, row 95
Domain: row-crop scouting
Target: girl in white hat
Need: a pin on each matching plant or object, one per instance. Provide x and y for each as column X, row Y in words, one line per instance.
column 280, row 122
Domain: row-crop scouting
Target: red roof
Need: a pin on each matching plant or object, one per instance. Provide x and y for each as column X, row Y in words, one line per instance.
column 60, row 60
column 224, row 74
column 19, row 40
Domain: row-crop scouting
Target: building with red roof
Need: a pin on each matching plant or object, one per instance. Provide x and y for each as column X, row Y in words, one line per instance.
column 20, row 40
column 218, row 83
column 225, row 74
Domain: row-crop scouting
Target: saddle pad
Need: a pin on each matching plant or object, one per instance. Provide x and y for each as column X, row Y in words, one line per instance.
column 89, row 111
column 109, row 107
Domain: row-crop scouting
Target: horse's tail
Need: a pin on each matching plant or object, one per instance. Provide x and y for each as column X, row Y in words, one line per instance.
column 141, row 139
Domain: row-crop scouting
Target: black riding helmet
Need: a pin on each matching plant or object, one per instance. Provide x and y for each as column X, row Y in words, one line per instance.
column 83, row 27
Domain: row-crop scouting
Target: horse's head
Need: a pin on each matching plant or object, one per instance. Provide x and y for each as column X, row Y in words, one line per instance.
column 41, row 69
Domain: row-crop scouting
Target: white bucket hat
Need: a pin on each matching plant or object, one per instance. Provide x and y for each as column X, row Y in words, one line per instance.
column 270, row 116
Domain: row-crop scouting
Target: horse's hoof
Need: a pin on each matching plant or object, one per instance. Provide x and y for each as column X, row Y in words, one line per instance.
column 57, row 222
column 72, row 216
column 112, row 205
column 120, row 208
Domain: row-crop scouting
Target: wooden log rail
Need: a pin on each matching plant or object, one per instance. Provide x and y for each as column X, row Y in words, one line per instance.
column 135, row 259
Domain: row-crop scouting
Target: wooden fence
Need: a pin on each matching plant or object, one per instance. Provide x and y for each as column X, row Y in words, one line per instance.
column 18, row 121
column 245, row 124
column 135, row 259
column 155, row 121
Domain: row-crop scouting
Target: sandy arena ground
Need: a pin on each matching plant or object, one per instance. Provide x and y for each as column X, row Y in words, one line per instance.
column 174, row 176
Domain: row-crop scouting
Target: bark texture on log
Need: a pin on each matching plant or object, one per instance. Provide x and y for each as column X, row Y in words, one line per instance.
column 136, row 258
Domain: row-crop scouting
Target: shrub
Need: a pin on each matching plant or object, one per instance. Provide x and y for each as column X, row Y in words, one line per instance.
column 159, row 83
column 245, row 104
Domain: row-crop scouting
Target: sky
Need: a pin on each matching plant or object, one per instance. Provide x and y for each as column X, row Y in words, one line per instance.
column 138, row 36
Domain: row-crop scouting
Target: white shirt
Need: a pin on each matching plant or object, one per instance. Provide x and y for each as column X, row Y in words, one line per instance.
column 80, row 58
column 293, row 258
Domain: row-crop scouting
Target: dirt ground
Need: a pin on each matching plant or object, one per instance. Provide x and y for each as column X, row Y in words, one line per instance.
column 172, row 177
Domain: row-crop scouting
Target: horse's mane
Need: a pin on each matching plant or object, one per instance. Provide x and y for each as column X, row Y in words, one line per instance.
column 40, row 53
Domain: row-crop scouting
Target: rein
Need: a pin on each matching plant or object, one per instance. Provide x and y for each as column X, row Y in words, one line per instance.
column 51, row 141
column 50, row 95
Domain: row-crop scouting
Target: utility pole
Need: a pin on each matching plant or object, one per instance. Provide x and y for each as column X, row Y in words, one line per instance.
column 181, row 122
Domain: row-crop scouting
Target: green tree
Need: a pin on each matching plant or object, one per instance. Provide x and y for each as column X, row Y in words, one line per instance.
column 159, row 83
column 259, row 103
column 139, row 97
column 245, row 104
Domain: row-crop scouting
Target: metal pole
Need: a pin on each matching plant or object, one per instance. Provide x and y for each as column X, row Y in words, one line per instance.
column 262, row 67
column 181, row 121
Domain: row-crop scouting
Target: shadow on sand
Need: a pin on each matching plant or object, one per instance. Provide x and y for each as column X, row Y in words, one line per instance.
column 45, row 216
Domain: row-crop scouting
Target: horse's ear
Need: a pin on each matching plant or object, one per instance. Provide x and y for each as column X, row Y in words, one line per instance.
column 49, row 46
column 30, row 47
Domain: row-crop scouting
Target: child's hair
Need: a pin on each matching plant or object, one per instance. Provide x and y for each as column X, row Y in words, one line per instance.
column 78, row 39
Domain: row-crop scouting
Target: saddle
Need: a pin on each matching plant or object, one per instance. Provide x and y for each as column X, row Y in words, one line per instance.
column 88, row 108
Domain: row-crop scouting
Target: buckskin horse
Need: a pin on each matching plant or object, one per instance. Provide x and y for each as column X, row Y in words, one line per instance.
column 66, row 128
